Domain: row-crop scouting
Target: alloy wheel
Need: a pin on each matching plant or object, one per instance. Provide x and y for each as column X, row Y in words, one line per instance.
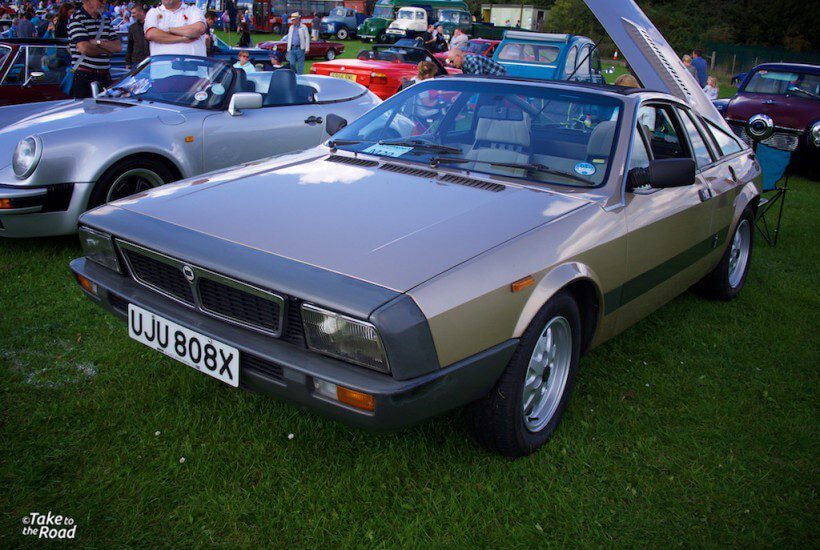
column 739, row 253
column 547, row 373
column 133, row 181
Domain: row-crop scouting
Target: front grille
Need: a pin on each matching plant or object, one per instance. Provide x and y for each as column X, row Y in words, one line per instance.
column 239, row 305
column 778, row 140
column 294, row 329
column 162, row 276
column 262, row 366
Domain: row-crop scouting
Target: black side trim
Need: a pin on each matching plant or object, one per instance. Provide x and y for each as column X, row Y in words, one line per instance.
column 648, row 280
column 406, row 337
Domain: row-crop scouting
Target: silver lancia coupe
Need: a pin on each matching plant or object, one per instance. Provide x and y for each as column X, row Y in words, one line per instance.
column 469, row 255
column 173, row 117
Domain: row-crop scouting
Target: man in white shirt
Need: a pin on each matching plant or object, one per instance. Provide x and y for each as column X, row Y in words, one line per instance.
column 298, row 41
column 458, row 40
column 175, row 28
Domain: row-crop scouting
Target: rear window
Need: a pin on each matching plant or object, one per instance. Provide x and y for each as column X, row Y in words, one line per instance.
column 529, row 53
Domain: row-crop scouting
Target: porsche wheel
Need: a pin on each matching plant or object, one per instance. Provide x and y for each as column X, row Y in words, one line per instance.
column 330, row 55
column 727, row 279
column 342, row 34
column 522, row 411
column 129, row 177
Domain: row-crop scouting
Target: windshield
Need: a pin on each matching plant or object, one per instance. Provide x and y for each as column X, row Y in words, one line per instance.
column 385, row 12
column 408, row 14
column 188, row 81
column 451, row 16
column 475, row 47
column 529, row 53
column 782, row 83
column 523, row 131
column 338, row 12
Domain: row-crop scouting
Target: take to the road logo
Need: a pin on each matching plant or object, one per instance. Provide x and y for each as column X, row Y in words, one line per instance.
column 49, row 526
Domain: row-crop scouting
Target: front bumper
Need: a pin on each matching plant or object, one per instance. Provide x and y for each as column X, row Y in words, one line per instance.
column 43, row 211
column 284, row 371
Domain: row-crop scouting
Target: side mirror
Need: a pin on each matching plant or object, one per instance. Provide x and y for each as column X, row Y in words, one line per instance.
column 662, row 173
column 95, row 89
column 33, row 77
column 244, row 100
column 334, row 123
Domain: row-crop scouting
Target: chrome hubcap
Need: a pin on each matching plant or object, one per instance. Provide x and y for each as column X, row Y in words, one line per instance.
column 547, row 374
column 330, row 55
column 739, row 253
column 131, row 182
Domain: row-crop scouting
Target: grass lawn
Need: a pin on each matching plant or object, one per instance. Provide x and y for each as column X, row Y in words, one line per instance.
column 696, row 427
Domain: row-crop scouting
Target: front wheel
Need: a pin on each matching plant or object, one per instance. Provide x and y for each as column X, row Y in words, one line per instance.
column 523, row 409
column 342, row 34
column 330, row 55
column 383, row 38
column 277, row 29
column 128, row 178
column 727, row 279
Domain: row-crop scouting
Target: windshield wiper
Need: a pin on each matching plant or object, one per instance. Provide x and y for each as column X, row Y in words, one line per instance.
column 435, row 161
column 536, row 167
column 425, row 144
column 333, row 143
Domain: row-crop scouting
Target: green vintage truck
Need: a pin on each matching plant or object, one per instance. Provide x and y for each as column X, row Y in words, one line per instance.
column 452, row 19
column 374, row 29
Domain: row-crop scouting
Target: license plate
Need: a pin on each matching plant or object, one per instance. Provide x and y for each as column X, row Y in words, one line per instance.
column 351, row 77
column 395, row 31
column 186, row 346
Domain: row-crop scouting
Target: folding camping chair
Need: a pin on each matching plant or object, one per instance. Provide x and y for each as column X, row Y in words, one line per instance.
column 775, row 166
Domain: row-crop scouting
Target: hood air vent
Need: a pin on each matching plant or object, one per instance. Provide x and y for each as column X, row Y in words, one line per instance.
column 470, row 182
column 351, row 160
column 409, row 171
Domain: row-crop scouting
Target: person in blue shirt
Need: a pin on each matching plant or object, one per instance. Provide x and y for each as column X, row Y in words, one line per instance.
column 700, row 66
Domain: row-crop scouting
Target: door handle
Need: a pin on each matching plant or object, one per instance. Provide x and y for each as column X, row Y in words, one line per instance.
column 732, row 172
column 313, row 120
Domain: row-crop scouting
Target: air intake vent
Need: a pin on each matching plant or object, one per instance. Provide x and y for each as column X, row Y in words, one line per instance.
column 351, row 160
column 470, row 182
column 409, row 171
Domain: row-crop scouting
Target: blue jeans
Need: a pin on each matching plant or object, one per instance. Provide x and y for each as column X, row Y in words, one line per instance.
column 296, row 58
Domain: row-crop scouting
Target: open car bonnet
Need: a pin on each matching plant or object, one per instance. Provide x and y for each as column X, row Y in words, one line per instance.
column 650, row 56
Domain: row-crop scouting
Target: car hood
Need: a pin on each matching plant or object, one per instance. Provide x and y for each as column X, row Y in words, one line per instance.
column 792, row 112
column 650, row 56
column 392, row 229
column 62, row 115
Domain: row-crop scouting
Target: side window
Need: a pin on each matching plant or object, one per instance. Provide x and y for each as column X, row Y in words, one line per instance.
column 640, row 156
column 702, row 155
column 17, row 71
column 52, row 62
column 582, row 73
column 665, row 138
column 726, row 143
column 572, row 57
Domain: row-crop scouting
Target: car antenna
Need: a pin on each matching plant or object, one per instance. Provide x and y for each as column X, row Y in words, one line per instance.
column 584, row 60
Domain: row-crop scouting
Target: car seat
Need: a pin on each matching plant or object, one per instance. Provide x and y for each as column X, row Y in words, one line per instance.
column 599, row 146
column 502, row 135
column 242, row 82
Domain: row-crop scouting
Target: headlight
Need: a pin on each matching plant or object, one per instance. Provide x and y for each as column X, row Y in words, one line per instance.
column 343, row 337
column 815, row 134
column 330, row 26
column 99, row 247
column 26, row 156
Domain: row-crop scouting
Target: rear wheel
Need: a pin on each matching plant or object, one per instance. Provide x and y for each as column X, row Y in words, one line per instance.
column 727, row 279
column 522, row 411
column 342, row 34
column 128, row 178
column 382, row 38
column 330, row 55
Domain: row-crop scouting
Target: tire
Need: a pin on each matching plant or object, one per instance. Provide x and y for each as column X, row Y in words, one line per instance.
column 277, row 29
column 499, row 421
column 140, row 174
column 727, row 279
column 330, row 55
column 342, row 34
column 382, row 38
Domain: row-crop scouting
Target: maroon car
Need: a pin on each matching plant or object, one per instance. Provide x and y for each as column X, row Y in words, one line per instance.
column 319, row 49
column 31, row 69
column 779, row 104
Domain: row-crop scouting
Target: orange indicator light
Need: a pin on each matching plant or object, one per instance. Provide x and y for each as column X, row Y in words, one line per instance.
column 521, row 284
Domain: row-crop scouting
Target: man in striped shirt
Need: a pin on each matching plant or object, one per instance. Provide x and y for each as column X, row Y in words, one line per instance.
column 93, row 41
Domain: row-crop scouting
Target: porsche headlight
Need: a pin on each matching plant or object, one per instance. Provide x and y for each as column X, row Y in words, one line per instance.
column 26, row 156
column 343, row 337
column 815, row 134
column 99, row 248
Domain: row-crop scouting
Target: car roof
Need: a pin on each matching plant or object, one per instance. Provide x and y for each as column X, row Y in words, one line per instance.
column 608, row 89
column 800, row 67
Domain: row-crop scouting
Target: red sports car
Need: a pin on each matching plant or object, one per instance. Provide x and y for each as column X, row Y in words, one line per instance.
column 32, row 69
column 479, row 46
column 318, row 48
column 382, row 69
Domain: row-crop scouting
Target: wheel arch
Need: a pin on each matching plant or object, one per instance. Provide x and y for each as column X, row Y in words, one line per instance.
column 582, row 283
column 168, row 162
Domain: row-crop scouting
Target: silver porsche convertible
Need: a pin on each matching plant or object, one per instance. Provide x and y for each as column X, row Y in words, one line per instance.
column 171, row 118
